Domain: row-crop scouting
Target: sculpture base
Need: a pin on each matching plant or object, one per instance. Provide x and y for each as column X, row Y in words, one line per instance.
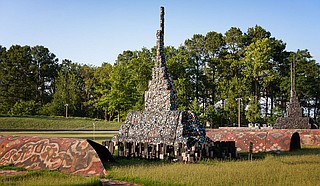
column 170, row 127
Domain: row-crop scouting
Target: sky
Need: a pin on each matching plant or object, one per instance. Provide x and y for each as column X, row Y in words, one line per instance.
column 96, row 31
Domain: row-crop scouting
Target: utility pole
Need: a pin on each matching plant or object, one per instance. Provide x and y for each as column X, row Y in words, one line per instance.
column 239, row 116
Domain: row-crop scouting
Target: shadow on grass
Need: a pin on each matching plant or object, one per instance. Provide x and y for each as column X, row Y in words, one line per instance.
column 299, row 152
column 120, row 162
column 123, row 162
column 303, row 151
column 11, row 167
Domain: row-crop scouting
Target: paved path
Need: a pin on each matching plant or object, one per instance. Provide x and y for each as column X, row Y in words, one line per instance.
column 107, row 182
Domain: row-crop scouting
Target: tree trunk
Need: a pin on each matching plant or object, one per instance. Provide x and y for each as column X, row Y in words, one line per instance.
column 315, row 109
column 271, row 99
column 266, row 96
column 111, row 116
column 213, row 88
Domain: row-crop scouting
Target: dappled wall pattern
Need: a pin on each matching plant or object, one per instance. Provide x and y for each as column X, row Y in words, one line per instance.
column 264, row 140
column 64, row 154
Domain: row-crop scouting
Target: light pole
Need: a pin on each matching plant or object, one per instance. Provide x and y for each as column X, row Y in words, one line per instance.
column 66, row 105
column 94, row 129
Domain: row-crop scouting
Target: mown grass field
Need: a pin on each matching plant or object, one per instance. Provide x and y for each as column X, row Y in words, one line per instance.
column 45, row 177
column 84, row 128
column 56, row 123
column 292, row 168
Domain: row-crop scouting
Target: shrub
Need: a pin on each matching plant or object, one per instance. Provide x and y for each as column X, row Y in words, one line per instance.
column 21, row 108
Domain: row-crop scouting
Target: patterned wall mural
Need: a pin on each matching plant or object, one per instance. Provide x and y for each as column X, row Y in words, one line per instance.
column 67, row 155
column 264, row 140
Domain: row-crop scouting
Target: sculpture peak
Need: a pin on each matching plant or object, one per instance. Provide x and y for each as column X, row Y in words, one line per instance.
column 160, row 59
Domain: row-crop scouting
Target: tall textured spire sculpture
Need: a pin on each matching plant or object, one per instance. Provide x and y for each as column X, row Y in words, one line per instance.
column 294, row 108
column 160, row 95
column 160, row 61
column 161, row 122
column 294, row 120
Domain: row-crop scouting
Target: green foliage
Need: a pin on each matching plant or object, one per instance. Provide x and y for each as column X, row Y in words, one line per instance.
column 253, row 112
column 25, row 108
column 67, row 90
column 122, row 95
column 178, row 66
column 215, row 69
column 98, row 100
column 216, row 117
column 195, row 107
column 27, row 74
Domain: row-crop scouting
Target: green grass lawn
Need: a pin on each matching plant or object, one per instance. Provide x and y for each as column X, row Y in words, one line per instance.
column 46, row 178
column 297, row 168
column 56, row 123
column 290, row 168
column 84, row 128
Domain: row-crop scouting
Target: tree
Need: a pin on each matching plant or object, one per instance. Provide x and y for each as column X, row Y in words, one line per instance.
column 122, row 95
column 27, row 75
column 214, row 47
column 178, row 66
column 257, row 71
column 3, row 100
column 67, row 92
column 101, row 84
column 140, row 67
column 17, row 76
column 195, row 48
column 256, row 33
column 253, row 114
column 229, row 84
column 45, row 66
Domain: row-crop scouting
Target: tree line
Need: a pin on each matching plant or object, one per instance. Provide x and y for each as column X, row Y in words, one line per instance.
column 210, row 73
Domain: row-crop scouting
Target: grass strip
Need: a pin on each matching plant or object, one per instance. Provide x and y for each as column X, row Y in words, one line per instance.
column 291, row 168
column 47, row 177
column 56, row 123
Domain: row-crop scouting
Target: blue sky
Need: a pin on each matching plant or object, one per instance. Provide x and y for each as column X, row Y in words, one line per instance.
column 96, row 31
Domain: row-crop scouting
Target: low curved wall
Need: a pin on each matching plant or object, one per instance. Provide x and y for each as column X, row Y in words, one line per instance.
column 67, row 155
column 264, row 140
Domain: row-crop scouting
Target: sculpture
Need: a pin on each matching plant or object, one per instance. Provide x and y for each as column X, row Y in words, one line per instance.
column 294, row 120
column 161, row 122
